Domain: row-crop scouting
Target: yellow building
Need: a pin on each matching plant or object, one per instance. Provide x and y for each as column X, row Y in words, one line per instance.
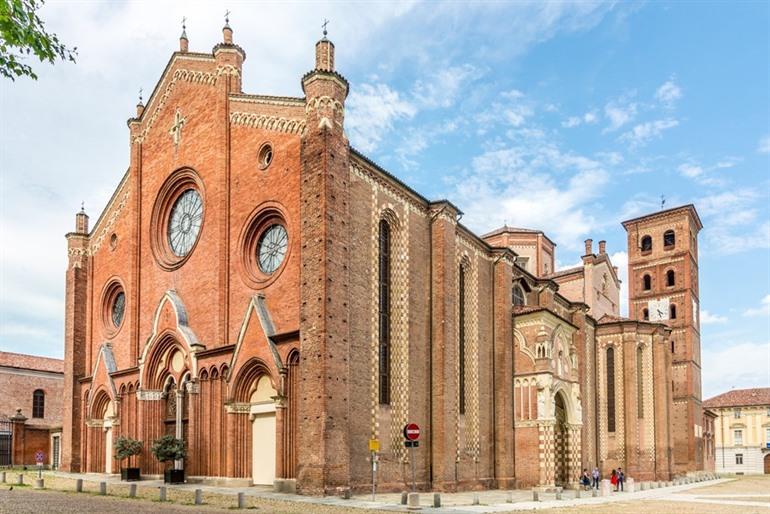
column 742, row 430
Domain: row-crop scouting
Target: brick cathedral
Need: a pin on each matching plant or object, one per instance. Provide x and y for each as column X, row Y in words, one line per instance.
column 260, row 289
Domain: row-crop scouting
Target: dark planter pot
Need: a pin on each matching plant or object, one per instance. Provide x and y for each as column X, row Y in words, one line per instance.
column 173, row 476
column 129, row 474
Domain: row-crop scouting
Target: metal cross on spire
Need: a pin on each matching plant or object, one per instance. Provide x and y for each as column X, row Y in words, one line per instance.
column 227, row 17
column 140, row 95
column 662, row 201
column 324, row 24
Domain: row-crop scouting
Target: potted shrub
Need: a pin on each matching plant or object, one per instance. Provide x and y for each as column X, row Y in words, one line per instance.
column 126, row 448
column 169, row 449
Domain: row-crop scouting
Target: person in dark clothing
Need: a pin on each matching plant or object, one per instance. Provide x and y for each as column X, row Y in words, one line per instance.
column 621, row 478
column 585, row 481
column 596, row 476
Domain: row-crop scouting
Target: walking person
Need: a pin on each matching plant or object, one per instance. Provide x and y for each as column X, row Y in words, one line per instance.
column 621, row 478
column 595, row 475
column 614, row 479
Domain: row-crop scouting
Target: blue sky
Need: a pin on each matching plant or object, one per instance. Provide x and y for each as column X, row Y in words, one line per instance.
column 567, row 117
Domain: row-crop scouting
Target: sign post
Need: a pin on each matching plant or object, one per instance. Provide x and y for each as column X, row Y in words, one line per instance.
column 374, row 447
column 39, row 460
column 411, row 436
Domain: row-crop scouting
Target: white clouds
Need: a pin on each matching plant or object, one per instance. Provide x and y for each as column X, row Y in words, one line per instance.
column 441, row 88
column 372, row 111
column 690, row 170
column 734, row 365
column 732, row 225
column 707, row 318
column 619, row 113
column 668, row 93
column 764, row 145
column 762, row 310
column 588, row 118
column 533, row 184
column 645, row 132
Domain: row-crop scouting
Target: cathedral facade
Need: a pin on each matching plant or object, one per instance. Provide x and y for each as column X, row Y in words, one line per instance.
column 263, row 291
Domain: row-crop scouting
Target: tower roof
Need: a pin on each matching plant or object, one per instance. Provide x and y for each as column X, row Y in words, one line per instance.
column 689, row 208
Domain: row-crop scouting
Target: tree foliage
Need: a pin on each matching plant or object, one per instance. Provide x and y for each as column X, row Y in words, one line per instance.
column 168, row 448
column 125, row 447
column 23, row 35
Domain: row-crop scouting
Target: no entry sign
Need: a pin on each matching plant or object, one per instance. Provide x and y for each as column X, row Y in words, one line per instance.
column 411, row 432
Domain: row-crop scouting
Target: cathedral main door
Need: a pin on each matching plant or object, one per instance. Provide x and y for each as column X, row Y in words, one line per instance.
column 263, row 429
column 561, row 468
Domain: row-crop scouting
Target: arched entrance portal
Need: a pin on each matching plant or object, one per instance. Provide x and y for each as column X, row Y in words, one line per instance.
column 263, row 432
column 561, row 442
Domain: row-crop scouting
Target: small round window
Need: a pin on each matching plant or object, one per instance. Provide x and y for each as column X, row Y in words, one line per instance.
column 265, row 156
column 118, row 308
column 272, row 248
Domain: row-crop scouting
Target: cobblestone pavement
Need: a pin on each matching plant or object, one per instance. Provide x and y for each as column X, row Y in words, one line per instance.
column 742, row 495
column 24, row 501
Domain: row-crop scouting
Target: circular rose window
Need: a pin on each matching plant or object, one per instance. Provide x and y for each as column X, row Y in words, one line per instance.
column 177, row 219
column 272, row 248
column 113, row 307
column 185, row 221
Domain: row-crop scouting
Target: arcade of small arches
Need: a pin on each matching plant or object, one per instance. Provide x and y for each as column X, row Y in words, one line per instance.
column 238, row 418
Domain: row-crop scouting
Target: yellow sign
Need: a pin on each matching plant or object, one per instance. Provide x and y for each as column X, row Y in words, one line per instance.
column 374, row 445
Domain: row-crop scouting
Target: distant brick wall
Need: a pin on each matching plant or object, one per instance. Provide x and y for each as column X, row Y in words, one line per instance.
column 20, row 378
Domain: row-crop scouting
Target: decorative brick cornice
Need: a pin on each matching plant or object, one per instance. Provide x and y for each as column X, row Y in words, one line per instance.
column 149, row 395
column 263, row 121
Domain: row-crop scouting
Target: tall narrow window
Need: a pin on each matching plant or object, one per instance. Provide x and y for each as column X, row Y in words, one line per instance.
column 670, row 278
column 384, row 312
column 639, row 383
column 646, row 244
column 610, row 389
column 38, row 404
column 669, row 239
column 645, row 314
column 672, row 312
column 461, row 322
column 647, row 282
column 518, row 296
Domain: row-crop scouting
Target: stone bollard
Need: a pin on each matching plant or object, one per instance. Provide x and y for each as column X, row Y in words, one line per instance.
column 162, row 493
column 594, row 493
column 38, row 483
column 103, row 488
column 436, row 500
column 660, row 484
column 20, row 479
column 475, row 499
column 2, row 476
column 670, row 483
column 404, row 495
column 630, row 485
column 241, row 501
column 606, row 487
column 413, row 501
column 79, row 485
column 535, row 496
column 509, row 497
column 198, row 497
column 558, row 494
column 642, row 486
column 132, row 491
column 577, row 493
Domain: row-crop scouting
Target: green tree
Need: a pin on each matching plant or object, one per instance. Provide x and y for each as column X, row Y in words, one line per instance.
column 22, row 34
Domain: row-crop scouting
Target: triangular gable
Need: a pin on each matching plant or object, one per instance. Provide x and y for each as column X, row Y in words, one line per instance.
column 260, row 334
column 100, row 376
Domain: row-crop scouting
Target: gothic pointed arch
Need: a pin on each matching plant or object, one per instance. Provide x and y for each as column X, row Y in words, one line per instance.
column 101, row 373
column 170, row 331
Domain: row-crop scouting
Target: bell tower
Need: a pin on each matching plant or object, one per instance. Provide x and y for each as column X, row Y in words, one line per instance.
column 663, row 288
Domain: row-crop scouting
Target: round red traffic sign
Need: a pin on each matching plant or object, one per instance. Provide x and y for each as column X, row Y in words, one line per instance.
column 411, row 432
